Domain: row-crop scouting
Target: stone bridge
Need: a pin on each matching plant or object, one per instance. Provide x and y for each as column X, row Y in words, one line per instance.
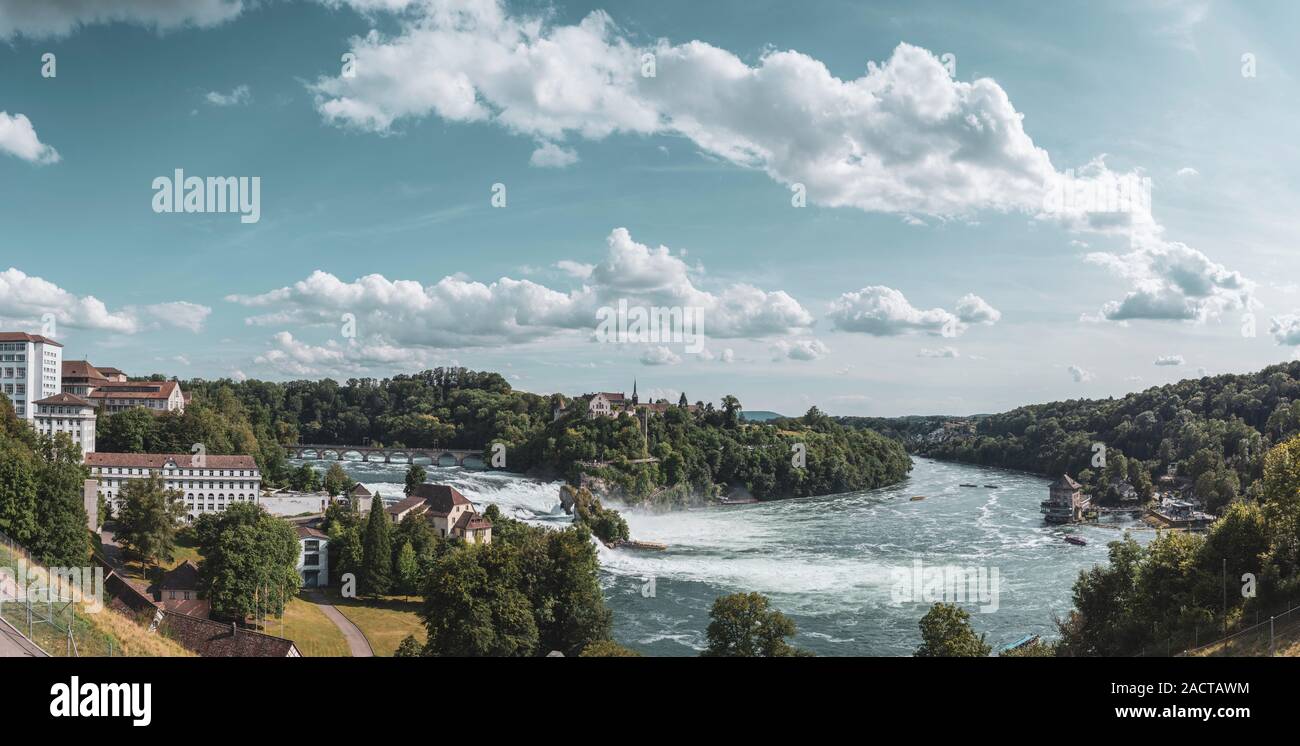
column 387, row 455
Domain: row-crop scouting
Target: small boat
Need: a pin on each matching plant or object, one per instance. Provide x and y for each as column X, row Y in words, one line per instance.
column 1078, row 541
column 991, row 486
column 969, row 485
column 1025, row 641
column 917, row 498
column 656, row 546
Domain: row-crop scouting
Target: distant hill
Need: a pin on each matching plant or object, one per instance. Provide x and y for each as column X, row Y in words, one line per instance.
column 760, row 415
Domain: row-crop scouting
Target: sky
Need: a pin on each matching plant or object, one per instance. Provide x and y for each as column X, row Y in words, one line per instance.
column 878, row 208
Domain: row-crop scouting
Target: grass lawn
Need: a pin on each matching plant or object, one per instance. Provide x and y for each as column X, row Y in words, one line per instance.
column 309, row 628
column 385, row 621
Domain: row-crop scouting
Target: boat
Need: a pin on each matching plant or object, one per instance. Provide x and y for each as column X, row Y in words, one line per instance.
column 969, row 485
column 916, row 498
column 1078, row 541
column 991, row 486
column 632, row 544
column 1023, row 642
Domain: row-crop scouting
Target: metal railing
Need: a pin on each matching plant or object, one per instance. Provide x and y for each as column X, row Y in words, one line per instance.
column 47, row 609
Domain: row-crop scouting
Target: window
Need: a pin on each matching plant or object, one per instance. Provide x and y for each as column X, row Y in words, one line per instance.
column 311, row 560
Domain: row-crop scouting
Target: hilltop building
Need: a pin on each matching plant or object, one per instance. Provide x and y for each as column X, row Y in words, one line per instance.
column 208, row 484
column 618, row 404
column 1066, row 501
column 66, row 413
column 29, row 370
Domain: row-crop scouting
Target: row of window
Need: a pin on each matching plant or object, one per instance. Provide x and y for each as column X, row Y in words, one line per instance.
column 168, row 472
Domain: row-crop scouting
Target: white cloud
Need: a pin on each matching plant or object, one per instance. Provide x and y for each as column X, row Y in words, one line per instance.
column 238, row 96
column 1285, row 329
column 884, row 311
column 550, row 155
column 26, row 299
column 659, row 355
column 1079, row 374
column 39, row 19
column 800, row 349
column 18, row 138
column 290, row 356
column 575, row 269
column 973, row 309
column 459, row 312
column 1170, row 360
column 1172, row 281
column 1188, row 171
column 941, row 352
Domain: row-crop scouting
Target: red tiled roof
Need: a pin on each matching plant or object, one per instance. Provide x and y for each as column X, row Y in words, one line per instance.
column 112, row 371
column 414, row 501
column 25, row 337
column 471, row 521
column 134, row 390
column 307, row 532
column 441, row 497
column 360, row 490
column 81, row 369
column 69, row 399
column 156, row 460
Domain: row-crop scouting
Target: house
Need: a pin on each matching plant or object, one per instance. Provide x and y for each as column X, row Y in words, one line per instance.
column 360, row 498
column 67, row 413
column 155, row 396
column 1127, row 493
column 1065, row 502
column 450, row 513
column 178, row 590
column 313, row 556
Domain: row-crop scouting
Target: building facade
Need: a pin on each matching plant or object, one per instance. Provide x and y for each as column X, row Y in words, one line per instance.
column 208, row 484
column 313, row 556
column 450, row 513
column 65, row 413
column 156, row 396
column 30, row 369
column 1065, row 502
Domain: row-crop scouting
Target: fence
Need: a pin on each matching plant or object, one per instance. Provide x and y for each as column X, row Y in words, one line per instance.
column 1263, row 635
column 49, row 609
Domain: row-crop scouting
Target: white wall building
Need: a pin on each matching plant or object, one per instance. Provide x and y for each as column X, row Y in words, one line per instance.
column 313, row 557
column 208, row 488
column 31, row 368
column 65, row 413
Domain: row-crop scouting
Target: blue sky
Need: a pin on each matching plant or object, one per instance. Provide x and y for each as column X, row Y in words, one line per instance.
column 925, row 274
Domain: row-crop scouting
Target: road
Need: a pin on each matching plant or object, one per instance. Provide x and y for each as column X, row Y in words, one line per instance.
column 357, row 641
column 14, row 645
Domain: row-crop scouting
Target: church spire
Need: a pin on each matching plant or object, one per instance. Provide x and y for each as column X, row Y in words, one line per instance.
column 634, row 398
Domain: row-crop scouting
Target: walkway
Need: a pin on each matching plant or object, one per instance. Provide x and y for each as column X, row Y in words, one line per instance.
column 14, row 645
column 357, row 641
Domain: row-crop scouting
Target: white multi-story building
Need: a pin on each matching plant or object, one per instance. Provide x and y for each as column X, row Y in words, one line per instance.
column 208, row 484
column 31, row 368
column 65, row 413
column 157, row 396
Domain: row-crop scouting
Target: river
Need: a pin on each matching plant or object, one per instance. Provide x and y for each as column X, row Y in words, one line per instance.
column 833, row 563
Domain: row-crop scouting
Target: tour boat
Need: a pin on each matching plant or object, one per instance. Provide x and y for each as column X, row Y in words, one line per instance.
column 1077, row 540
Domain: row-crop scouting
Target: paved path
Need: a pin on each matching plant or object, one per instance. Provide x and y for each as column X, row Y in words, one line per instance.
column 14, row 645
column 357, row 641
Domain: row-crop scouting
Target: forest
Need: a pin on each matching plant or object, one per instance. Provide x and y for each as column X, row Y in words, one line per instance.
column 683, row 455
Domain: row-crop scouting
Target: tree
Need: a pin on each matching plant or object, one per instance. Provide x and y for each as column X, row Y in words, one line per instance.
column 61, row 512
column 415, row 476
column 473, row 605
column 377, row 553
column 607, row 649
column 249, row 562
column 337, row 481
column 149, row 518
column 407, row 570
column 409, row 648
column 946, row 633
column 127, row 431
column 742, row 626
column 305, row 479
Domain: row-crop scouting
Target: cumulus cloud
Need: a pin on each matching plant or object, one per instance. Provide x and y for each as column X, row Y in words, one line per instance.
column 290, row 356
column 575, row 269
column 800, row 349
column 460, row 312
column 25, row 299
column 40, row 19
column 941, row 352
column 1285, row 329
column 18, row 138
column 660, row 355
column 883, row 311
column 1172, row 281
column 1170, row 360
column 550, row 155
column 1079, row 374
column 238, row 96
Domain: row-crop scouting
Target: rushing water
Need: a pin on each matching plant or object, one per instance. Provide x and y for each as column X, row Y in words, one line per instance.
column 830, row 563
